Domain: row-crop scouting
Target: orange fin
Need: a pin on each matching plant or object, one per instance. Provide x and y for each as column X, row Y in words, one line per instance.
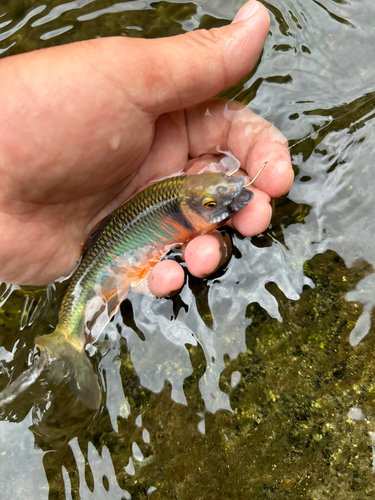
column 141, row 278
column 121, row 263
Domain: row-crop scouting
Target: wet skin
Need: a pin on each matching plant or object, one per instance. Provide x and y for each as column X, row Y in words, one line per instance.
column 86, row 125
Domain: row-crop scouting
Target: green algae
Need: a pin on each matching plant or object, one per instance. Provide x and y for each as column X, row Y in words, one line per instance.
column 289, row 435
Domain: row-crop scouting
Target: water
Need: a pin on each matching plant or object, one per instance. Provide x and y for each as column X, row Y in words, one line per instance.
column 255, row 383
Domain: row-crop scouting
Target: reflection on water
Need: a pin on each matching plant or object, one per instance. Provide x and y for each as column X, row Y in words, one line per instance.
column 245, row 383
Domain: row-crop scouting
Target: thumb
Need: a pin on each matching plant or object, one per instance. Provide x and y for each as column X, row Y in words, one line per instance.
column 183, row 70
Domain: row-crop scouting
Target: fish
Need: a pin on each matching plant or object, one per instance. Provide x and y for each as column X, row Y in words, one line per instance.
column 121, row 252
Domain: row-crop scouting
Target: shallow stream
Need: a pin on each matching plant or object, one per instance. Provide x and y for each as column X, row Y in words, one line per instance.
column 270, row 395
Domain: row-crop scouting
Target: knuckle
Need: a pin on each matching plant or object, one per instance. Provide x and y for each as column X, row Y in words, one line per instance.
column 210, row 41
column 206, row 39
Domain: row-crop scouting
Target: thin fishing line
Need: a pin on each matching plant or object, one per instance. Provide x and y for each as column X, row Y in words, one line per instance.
column 331, row 119
column 313, row 133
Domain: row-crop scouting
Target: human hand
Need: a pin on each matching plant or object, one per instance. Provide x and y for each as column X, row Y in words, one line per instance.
column 84, row 126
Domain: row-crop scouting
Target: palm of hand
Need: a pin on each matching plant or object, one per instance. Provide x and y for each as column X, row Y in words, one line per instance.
column 46, row 214
column 46, row 225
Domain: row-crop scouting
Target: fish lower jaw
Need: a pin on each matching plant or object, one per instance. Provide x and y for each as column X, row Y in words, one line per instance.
column 219, row 218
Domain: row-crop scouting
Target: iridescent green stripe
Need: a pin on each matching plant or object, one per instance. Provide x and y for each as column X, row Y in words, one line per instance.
column 135, row 226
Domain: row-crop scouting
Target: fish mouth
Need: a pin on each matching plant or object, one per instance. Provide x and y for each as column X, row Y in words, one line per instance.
column 238, row 196
column 241, row 200
column 237, row 199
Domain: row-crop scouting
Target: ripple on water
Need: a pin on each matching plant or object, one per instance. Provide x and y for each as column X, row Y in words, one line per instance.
column 208, row 350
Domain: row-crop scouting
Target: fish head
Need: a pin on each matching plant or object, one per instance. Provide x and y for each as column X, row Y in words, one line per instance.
column 209, row 200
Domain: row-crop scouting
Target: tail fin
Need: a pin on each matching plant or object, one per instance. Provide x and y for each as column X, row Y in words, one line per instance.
column 80, row 373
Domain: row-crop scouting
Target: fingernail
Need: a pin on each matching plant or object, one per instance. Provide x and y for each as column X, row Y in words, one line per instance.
column 246, row 11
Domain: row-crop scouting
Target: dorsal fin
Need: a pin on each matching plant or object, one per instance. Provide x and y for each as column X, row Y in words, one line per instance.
column 93, row 235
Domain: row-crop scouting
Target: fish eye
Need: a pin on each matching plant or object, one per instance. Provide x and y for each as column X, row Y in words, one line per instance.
column 209, row 203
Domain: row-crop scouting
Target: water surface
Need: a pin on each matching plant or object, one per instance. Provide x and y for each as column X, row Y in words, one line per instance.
column 257, row 383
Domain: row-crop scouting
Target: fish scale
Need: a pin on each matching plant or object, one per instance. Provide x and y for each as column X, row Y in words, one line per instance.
column 135, row 218
column 122, row 251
